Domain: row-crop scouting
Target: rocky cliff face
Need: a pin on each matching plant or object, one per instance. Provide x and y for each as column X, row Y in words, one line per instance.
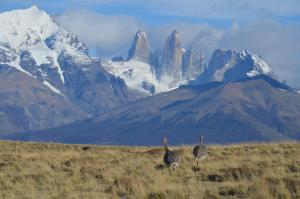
column 33, row 45
column 163, row 69
column 26, row 104
column 171, row 66
column 230, row 65
column 193, row 63
column 140, row 49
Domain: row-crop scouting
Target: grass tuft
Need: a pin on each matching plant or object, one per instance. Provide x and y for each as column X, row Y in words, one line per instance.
column 37, row 170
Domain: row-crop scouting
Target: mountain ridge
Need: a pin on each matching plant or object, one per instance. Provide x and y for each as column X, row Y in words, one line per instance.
column 49, row 80
column 34, row 45
column 224, row 112
column 174, row 66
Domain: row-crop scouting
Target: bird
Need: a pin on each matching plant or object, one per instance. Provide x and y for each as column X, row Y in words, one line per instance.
column 171, row 158
column 200, row 151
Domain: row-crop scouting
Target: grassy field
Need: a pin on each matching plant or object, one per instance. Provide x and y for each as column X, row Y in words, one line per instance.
column 33, row 170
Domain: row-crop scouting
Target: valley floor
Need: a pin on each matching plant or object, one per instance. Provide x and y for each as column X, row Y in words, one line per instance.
column 36, row 170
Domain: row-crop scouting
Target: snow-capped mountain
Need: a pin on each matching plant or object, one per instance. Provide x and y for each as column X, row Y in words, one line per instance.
column 229, row 65
column 137, row 75
column 151, row 73
column 48, row 79
column 138, row 71
column 31, row 38
column 45, row 57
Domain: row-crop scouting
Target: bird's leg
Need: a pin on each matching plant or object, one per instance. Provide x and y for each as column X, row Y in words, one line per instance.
column 172, row 167
column 197, row 163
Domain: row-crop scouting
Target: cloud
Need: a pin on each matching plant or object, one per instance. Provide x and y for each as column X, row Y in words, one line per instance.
column 191, row 36
column 203, row 9
column 278, row 44
column 211, row 8
column 104, row 33
column 112, row 35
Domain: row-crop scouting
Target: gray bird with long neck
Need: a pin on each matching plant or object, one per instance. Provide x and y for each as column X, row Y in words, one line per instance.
column 171, row 158
column 200, row 151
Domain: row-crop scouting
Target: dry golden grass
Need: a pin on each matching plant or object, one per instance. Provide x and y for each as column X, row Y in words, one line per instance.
column 36, row 170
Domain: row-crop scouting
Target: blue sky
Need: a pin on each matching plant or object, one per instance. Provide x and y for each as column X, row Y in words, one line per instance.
column 270, row 28
column 218, row 13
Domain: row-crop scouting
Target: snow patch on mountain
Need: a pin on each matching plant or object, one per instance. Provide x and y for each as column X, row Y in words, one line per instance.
column 15, row 64
column 137, row 75
column 260, row 66
column 154, row 72
column 46, row 83
column 31, row 24
column 34, row 31
column 219, row 74
column 230, row 65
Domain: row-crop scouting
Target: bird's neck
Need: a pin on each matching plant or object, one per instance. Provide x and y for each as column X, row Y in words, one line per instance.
column 166, row 148
column 201, row 141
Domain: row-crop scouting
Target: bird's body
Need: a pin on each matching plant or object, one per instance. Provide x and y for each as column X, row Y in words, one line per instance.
column 200, row 151
column 171, row 158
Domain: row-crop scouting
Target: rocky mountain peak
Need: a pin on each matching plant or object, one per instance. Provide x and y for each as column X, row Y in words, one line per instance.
column 140, row 48
column 172, row 60
column 175, row 34
column 231, row 65
column 31, row 23
column 141, row 33
column 192, row 63
column 174, row 38
column 33, row 44
column 34, row 8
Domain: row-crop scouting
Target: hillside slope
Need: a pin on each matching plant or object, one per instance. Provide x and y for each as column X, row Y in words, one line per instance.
column 25, row 104
column 255, row 109
column 43, row 59
column 74, row 171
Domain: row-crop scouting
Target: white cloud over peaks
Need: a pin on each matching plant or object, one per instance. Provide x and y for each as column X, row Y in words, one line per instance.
column 277, row 43
column 211, row 8
column 107, row 34
column 191, row 35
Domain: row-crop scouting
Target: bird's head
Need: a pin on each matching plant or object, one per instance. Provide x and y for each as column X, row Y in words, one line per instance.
column 165, row 141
